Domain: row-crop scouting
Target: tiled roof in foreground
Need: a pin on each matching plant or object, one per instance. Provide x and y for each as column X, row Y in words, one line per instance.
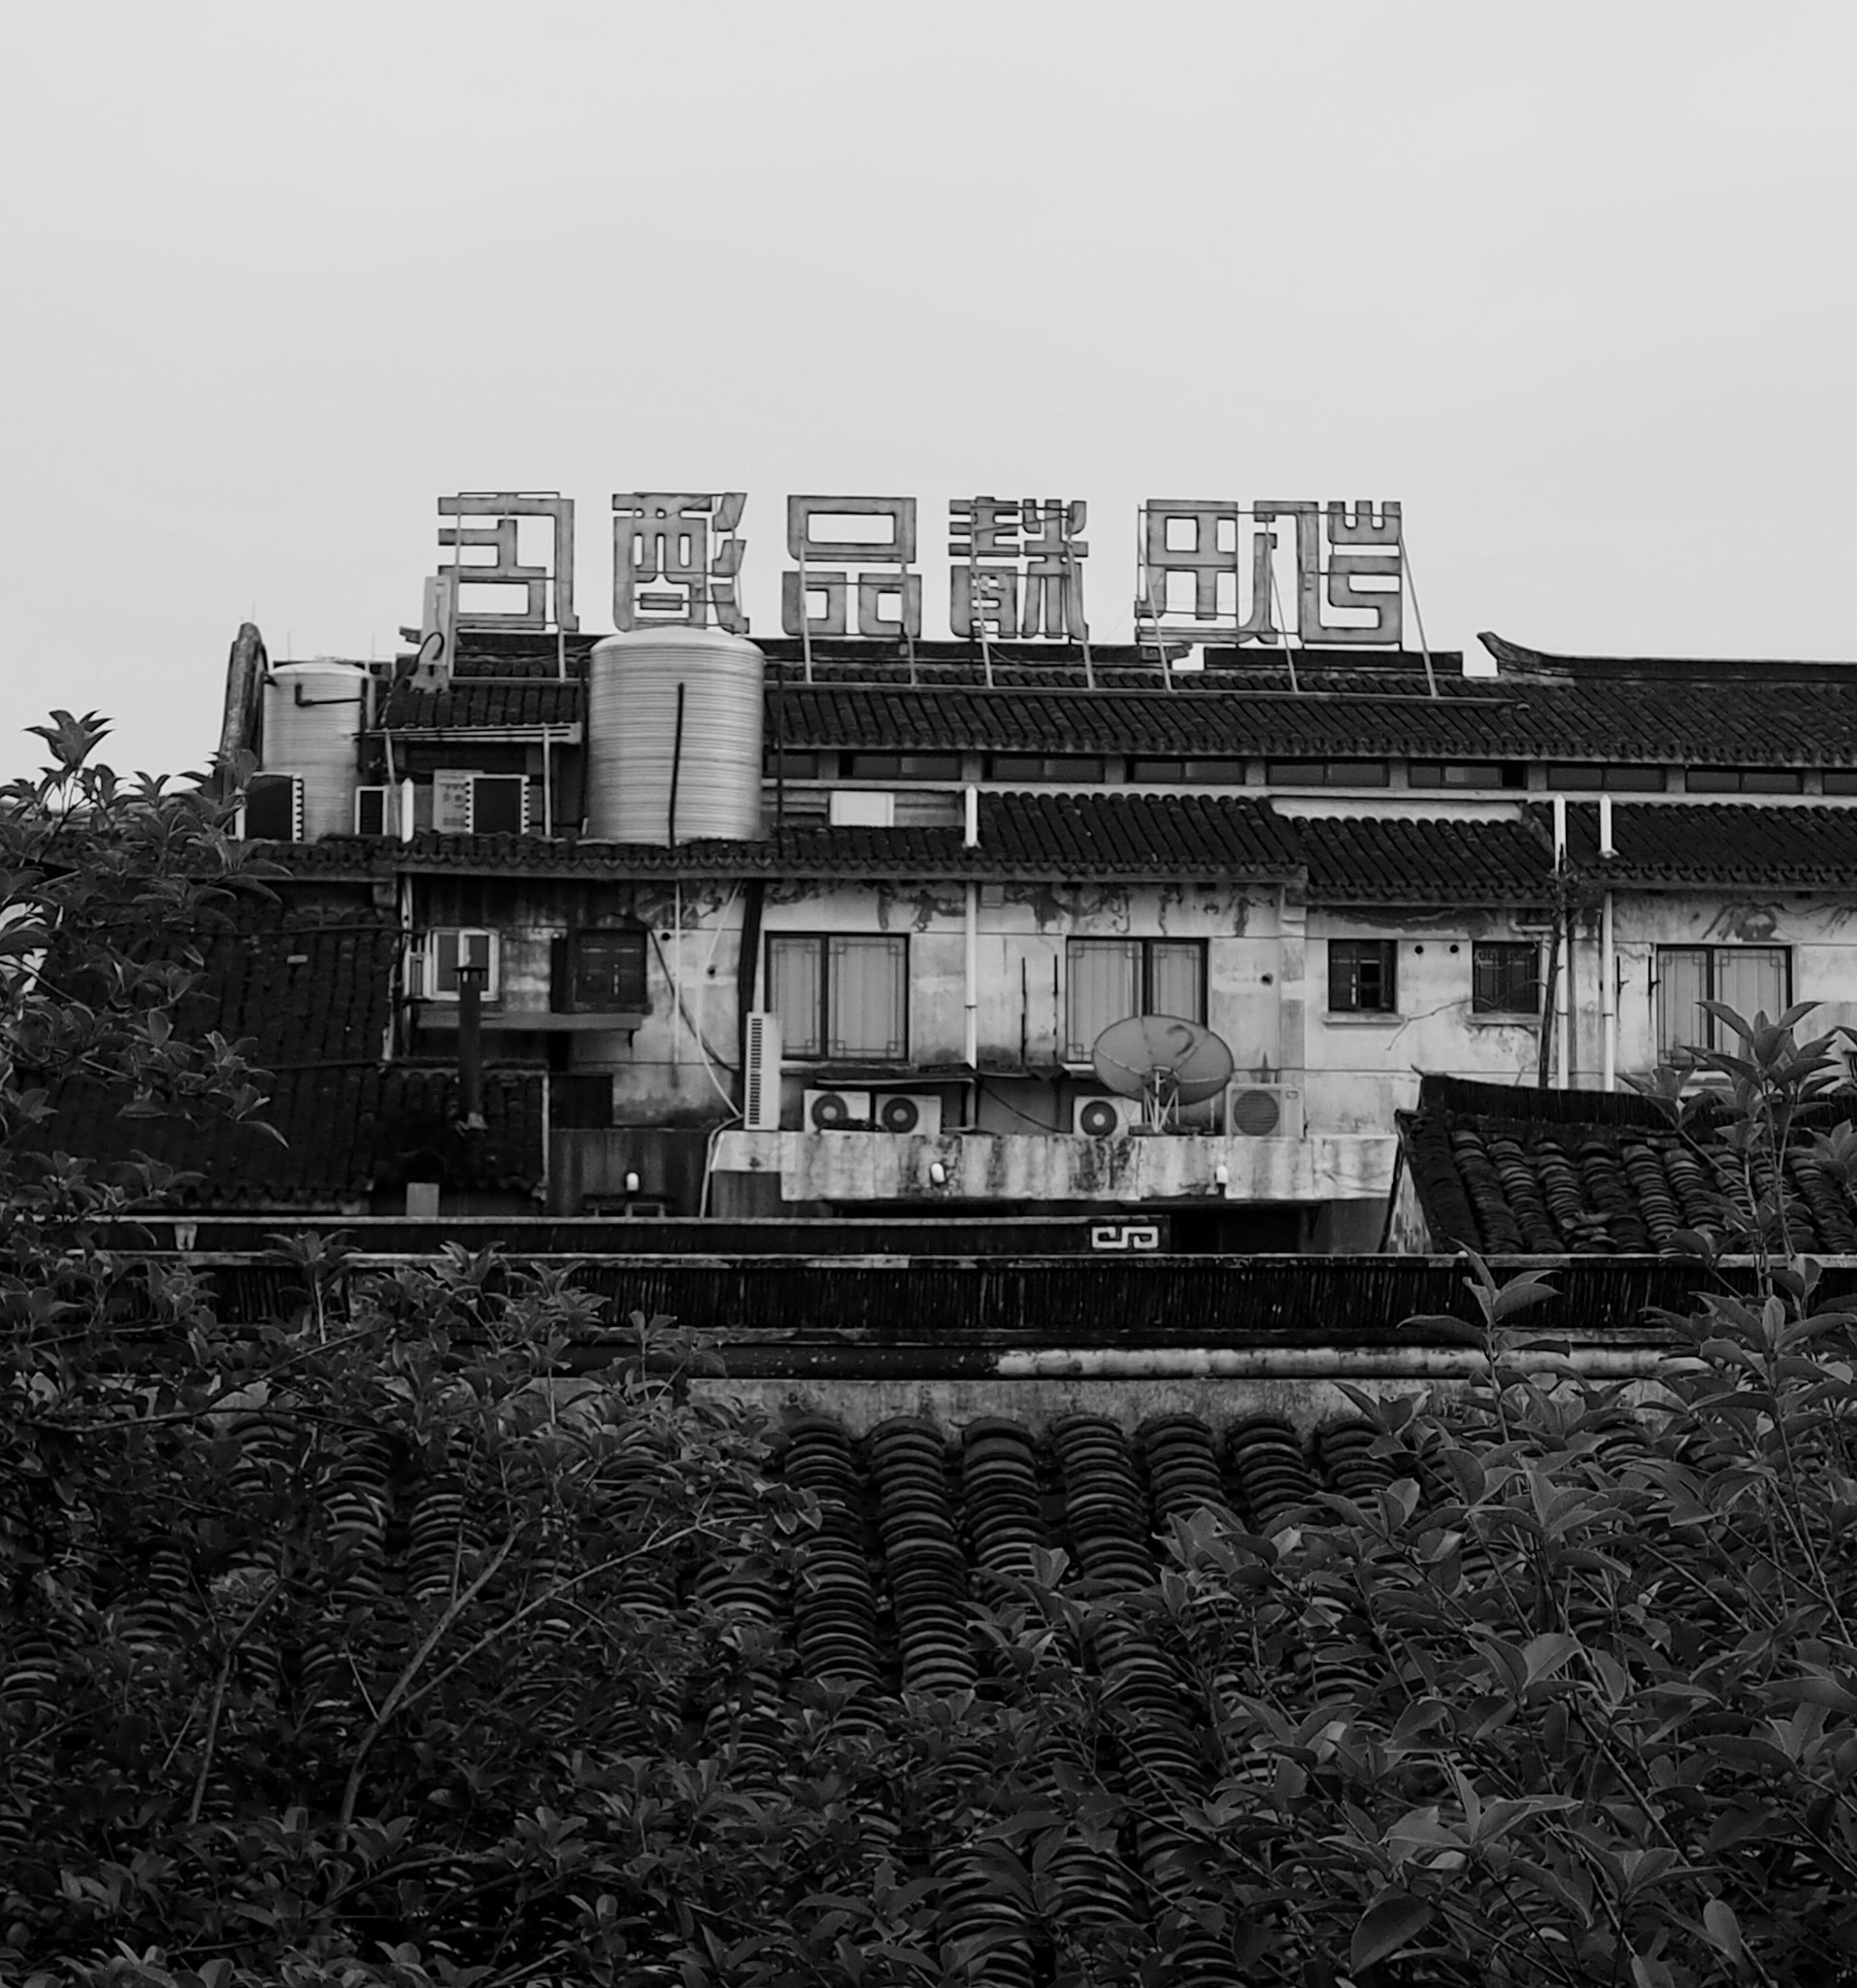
column 310, row 997
column 1520, row 1170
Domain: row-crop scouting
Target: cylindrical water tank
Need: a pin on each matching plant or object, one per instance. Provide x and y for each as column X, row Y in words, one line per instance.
column 312, row 717
column 674, row 736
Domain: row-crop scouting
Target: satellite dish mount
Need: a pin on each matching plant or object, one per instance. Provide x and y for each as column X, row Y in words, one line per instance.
column 1164, row 1060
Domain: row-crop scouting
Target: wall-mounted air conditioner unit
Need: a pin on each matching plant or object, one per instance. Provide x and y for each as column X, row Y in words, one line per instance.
column 838, row 1110
column 1104, row 1117
column 918, row 1111
column 761, row 1083
column 272, row 810
column 374, row 810
column 467, row 803
column 1263, row 1111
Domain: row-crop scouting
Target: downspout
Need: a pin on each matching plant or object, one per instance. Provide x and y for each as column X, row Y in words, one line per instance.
column 747, row 973
column 1607, row 954
column 970, row 974
column 1562, row 974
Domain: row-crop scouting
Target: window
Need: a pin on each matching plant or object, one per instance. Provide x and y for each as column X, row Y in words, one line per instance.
column 906, row 766
column 600, row 972
column 445, row 952
column 480, row 803
column 1434, row 773
column 1744, row 779
column 1108, row 979
column 1505, row 978
column 1840, row 779
column 1361, row 976
column 794, row 766
column 1211, row 773
column 1325, row 773
column 1611, row 780
column 1751, row 979
column 841, row 995
column 1050, row 766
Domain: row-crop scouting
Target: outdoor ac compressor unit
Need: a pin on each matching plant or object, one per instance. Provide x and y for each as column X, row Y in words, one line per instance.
column 1104, row 1117
column 917, row 1112
column 838, row 1110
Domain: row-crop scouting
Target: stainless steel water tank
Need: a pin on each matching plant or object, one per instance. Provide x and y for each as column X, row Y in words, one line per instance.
column 312, row 717
column 674, row 736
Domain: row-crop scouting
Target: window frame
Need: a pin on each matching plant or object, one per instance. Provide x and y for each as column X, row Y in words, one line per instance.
column 1743, row 779
column 1387, row 952
column 428, row 950
column 1480, row 948
column 1230, row 770
column 1327, row 772
column 1712, row 953
column 270, row 782
column 566, row 997
column 1080, row 1053
column 1608, row 777
column 1070, row 765
column 792, row 1046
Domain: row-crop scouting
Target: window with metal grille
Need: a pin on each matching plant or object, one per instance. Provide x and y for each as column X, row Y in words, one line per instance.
column 1109, row 978
column 600, row 971
column 1361, row 976
column 1751, row 979
column 1505, row 978
column 841, row 996
column 1608, row 779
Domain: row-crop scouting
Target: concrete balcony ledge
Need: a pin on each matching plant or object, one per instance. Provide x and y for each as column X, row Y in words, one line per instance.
column 1017, row 1167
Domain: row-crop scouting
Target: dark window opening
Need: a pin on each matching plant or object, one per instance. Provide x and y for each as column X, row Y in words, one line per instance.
column 602, row 972
column 1744, row 779
column 1361, row 979
column 1482, row 772
column 1211, row 773
column 273, row 808
column 1611, row 780
column 794, row 766
column 1505, row 978
column 1050, row 766
column 1326, row 773
column 905, row 766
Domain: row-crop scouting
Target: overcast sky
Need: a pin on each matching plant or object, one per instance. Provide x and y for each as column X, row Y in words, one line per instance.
column 1573, row 282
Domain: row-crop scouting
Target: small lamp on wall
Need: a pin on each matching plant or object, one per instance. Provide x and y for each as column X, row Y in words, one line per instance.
column 631, row 1183
column 937, row 1174
column 1221, row 1175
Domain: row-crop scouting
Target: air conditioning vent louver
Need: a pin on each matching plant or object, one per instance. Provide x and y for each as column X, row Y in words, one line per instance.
column 1256, row 1113
column 761, row 1086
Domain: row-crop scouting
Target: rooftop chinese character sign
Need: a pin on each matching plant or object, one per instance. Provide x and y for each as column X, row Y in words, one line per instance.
column 1207, row 569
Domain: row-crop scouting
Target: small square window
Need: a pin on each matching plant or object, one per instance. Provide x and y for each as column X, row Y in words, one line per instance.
column 1361, row 976
column 1505, row 978
column 448, row 950
column 602, row 972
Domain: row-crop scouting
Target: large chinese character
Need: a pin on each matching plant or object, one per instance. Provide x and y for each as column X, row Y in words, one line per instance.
column 504, row 567
column 1202, row 543
column 889, row 596
column 1347, row 529
column 666, row 566
column 1012, row 567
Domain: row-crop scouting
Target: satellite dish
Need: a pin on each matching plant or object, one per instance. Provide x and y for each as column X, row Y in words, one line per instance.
column 1164, row 1060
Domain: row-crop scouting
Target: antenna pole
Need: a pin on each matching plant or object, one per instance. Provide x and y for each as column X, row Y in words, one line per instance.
column 1407, row 580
